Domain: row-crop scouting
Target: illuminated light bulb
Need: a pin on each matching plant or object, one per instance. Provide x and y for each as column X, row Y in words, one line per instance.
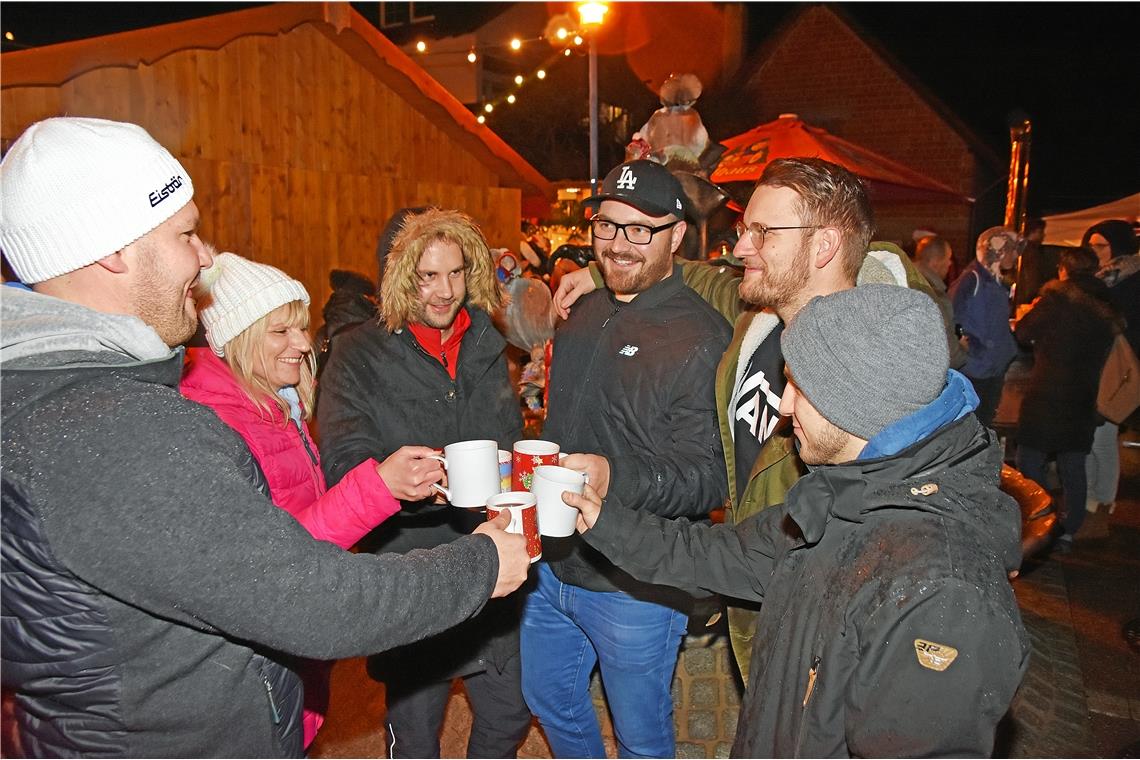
column 566, row 51
column 481, row 119
column 510, row 98
column 592, row 14
column 488, row 108
column 421, row 46
column 562, row 34
column 9, row 36
column 516, row 43
column 541, row 74
column 518, row 78
column 578, row 39
column 471, row 57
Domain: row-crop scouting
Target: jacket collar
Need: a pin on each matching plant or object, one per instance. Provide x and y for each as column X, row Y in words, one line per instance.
column 851, row 491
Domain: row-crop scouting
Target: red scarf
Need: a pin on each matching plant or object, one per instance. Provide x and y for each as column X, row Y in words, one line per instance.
column 446, row 351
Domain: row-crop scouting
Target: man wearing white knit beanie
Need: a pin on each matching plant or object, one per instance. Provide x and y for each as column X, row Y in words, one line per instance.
column 152, row 587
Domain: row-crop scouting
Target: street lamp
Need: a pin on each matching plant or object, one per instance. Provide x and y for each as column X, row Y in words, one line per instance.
column 591, row 15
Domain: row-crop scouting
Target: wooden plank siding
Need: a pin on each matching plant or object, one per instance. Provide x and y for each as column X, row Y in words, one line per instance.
column 298, row 152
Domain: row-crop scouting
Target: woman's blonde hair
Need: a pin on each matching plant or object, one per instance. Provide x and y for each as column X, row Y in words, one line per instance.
column 243, row 354
column 399, row 289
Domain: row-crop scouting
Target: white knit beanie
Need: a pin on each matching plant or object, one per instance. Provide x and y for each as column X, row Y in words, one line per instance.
column 73, row 190
column 235, row 292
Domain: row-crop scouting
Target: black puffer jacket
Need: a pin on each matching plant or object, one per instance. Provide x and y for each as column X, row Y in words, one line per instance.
column 888, row 626
column 381, row 391
column 148, row 589
column 634, row 382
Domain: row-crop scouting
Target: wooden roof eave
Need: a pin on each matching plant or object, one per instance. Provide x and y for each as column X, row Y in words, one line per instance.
column 39, row 68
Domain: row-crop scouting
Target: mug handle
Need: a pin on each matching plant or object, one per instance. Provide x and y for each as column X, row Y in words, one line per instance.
column 446, row 493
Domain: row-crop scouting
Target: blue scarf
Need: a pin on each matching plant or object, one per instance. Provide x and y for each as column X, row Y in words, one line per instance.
column 956, row 401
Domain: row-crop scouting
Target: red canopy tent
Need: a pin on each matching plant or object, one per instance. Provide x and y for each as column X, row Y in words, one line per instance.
column 789, row 136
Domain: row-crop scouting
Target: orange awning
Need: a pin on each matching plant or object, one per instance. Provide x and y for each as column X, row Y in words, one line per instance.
column 790, row 137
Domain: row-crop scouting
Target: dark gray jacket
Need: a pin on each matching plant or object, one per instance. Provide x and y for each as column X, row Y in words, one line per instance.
column 889, row 627
column 634, row 382
column 381, row 391
column 148, row 589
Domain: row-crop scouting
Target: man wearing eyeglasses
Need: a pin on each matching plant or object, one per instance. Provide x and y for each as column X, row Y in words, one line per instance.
column 631, row 391
column 805, row 233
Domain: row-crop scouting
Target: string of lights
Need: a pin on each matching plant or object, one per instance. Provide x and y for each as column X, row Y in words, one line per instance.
column 562, row 36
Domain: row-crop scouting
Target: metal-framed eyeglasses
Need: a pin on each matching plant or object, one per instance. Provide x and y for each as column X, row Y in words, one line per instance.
column 758, row 231
column 637, row 234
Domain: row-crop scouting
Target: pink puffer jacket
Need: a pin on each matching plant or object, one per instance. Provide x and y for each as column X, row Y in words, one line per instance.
column 288, row 456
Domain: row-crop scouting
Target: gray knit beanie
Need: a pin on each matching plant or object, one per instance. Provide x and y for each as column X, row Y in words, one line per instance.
column 868, row 356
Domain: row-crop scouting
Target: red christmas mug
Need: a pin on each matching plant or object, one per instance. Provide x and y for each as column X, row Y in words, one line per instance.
column 527, row 456
column 524, row 518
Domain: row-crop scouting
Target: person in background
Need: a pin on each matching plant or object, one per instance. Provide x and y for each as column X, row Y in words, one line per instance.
column 981, row 306
column 932, row 257
column 1070, row 327
column 257, row 376
column 432, row 370
column 1115, row 245
column 888, row 626
column 1037, row 265
column 350, row 303
column 151, row 592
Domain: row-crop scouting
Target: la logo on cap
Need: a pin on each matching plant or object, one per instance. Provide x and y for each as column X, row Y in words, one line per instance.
column 626, row 181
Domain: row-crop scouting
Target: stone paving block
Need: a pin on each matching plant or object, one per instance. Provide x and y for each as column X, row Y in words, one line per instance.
column 723, row 749
column 731, row 693
column 728, row 721
column 704, row 692
column 702, row 724
column 689, row 749
column 698, row 662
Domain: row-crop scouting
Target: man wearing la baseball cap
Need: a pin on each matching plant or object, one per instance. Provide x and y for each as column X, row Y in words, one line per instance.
column 631, row 398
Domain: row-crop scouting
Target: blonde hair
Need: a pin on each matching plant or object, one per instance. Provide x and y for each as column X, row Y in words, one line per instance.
column 399, row 289
column 243, row 353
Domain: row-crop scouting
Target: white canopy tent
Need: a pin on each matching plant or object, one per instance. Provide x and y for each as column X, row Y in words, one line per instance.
column 1067, row 229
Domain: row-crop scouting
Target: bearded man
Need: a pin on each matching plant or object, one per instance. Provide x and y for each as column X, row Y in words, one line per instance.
column 631, row 389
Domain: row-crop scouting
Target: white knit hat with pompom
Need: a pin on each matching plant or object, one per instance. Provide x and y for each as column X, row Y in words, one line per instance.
column 235, row 292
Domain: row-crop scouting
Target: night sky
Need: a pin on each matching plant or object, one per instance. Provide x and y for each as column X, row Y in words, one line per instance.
column 1072, row 67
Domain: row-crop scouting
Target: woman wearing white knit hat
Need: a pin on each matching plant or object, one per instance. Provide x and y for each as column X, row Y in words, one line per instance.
column 257, row 376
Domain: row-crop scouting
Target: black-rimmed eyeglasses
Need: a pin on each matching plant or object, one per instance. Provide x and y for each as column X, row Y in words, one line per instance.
column 637, row 234
column 758, row 231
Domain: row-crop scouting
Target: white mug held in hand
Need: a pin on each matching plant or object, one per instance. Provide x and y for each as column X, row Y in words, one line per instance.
column 472, row 473
column 556, row 518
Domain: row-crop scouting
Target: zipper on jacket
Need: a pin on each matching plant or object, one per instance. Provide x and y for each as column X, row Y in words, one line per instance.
column 305, row 443
column 272, row 702
column 811, row 679
column 611, row 316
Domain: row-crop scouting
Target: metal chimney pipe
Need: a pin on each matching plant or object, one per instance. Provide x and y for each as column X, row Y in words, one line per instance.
column 1017, row 190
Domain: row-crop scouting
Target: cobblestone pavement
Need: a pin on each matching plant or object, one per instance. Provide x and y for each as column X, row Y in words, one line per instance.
column 1080, row 698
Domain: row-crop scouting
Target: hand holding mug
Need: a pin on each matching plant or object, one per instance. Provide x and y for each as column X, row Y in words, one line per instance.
column 514, row 562
column 409, row 473
column 596, row 467
column 588, row 504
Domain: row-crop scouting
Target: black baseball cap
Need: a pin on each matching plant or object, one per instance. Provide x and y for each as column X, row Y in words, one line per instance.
column 646, row 185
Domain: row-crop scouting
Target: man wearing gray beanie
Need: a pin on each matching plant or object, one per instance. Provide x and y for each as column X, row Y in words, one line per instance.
column 888, row 626
column 149, row 588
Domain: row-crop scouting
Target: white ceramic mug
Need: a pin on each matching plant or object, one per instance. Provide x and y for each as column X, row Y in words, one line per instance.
column 524, row 518
column 556, row 518
column 472, row 473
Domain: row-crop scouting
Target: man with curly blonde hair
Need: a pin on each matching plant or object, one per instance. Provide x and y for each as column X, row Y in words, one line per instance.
column 431, row 369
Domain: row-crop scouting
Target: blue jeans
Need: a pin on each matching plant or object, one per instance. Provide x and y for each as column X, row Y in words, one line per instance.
column 566, row 630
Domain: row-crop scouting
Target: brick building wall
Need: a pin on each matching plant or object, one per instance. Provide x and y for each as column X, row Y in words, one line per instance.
column 822, row 70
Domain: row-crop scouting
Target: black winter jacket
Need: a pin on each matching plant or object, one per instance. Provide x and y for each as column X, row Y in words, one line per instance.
column 634, row 382
column 148, row 589
column 888, row 627
column 381, row 391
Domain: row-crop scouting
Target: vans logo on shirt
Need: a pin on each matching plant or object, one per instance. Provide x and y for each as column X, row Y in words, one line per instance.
column 628, row 350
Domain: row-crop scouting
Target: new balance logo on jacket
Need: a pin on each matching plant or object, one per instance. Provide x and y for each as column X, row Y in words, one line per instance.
column 628, row 350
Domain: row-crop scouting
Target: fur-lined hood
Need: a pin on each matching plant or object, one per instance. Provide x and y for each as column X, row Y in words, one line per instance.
column 399, row 289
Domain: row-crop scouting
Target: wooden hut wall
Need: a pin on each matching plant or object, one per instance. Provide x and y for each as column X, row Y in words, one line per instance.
column 298, row 153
